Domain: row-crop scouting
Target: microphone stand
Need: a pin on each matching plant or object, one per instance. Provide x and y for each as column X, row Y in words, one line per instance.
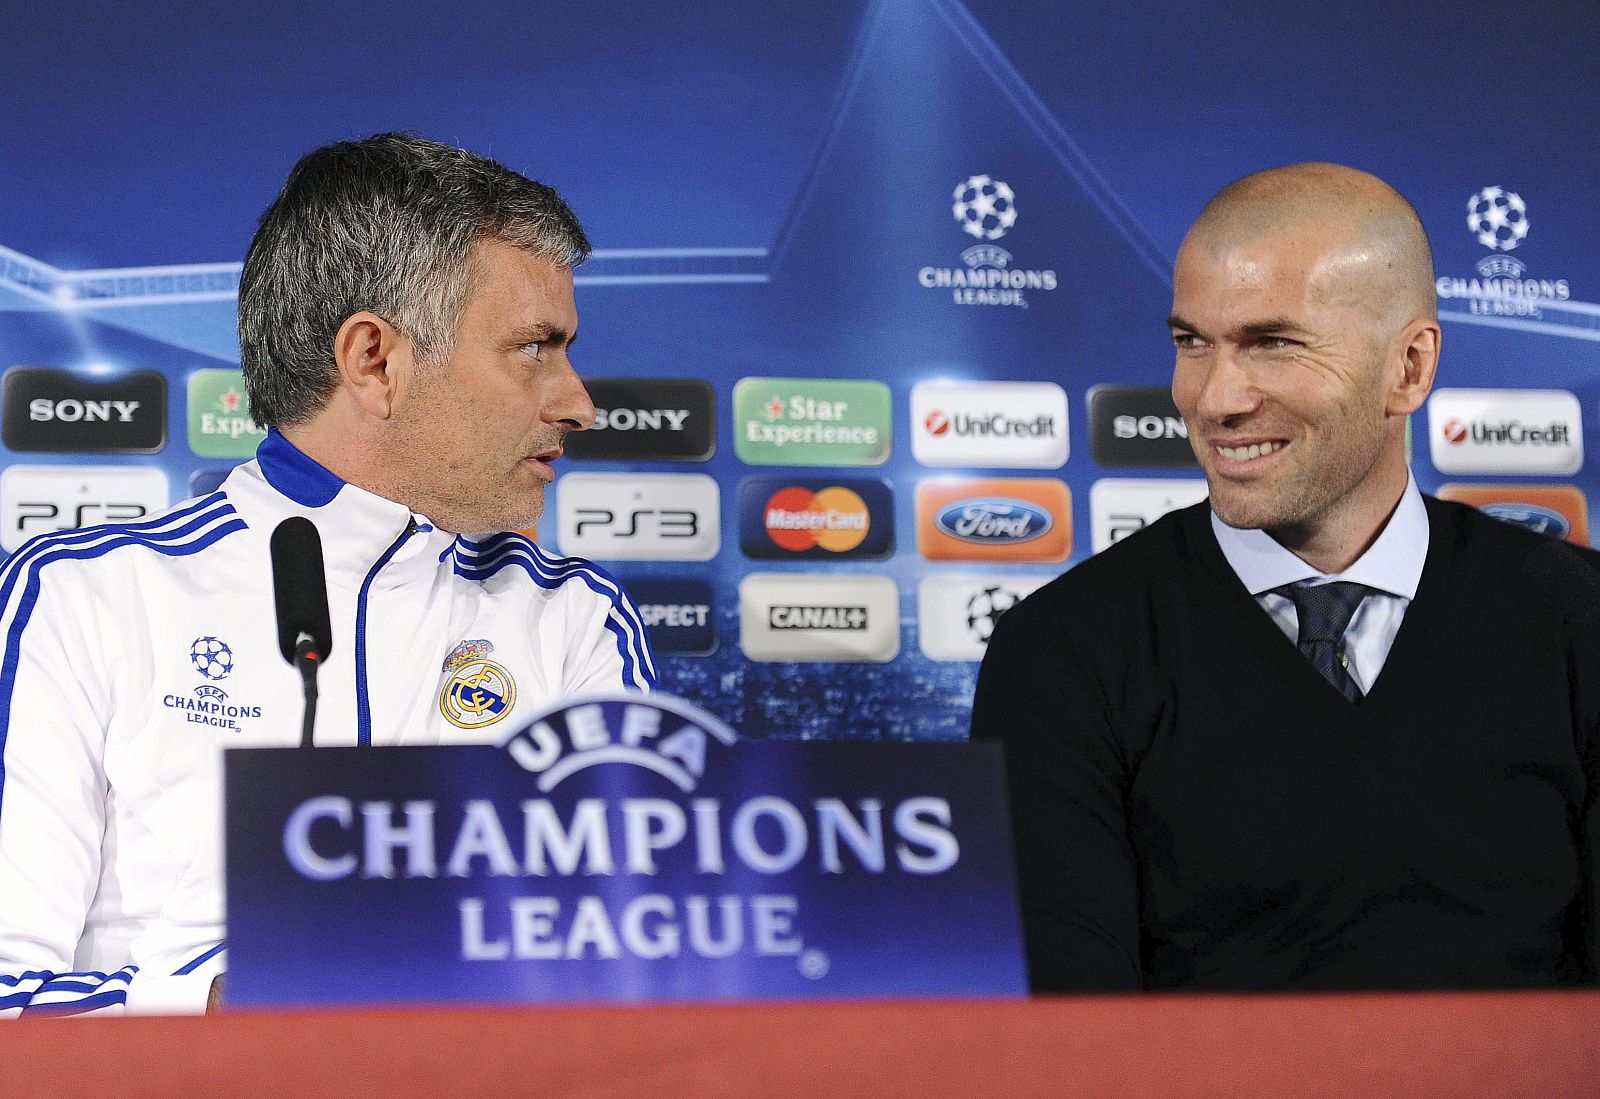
column 307, row 659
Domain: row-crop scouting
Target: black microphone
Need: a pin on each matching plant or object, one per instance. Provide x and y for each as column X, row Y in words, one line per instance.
column 300, row 591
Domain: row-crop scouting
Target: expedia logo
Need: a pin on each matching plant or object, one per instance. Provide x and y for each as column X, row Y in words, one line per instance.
column 650, row 419
column 848, row 517
column 56, row 410
column 1137, row 425
column 994, row 521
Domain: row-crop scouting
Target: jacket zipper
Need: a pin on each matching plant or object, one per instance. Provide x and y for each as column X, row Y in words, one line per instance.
column 363, row 703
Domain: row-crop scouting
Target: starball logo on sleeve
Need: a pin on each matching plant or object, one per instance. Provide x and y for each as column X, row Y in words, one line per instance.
column 44, row 499
column 811, row 422
column 1505, row 431
column 992, row 424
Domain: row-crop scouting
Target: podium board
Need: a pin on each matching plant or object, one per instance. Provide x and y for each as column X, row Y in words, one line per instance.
column 619, row 849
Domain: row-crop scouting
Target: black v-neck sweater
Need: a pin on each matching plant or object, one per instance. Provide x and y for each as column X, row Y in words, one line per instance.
column 1194, row 806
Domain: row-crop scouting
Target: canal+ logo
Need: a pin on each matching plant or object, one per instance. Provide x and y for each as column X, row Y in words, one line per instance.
column 663, row 735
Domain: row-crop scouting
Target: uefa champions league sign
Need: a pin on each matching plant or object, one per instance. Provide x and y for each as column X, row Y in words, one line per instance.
column 619, row 849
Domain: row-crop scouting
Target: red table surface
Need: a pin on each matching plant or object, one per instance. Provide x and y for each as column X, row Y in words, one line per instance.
column 1446, row 1044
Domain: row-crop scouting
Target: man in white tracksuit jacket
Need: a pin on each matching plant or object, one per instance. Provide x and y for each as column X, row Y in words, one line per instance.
column 405, row 313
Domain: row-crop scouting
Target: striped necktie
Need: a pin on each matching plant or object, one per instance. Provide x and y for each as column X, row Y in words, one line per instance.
column 1325, row 611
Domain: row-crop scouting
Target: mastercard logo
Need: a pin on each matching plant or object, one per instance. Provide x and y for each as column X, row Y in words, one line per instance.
column 833, row 519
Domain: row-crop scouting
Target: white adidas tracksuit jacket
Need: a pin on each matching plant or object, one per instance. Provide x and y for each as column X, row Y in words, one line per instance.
column 133, row 653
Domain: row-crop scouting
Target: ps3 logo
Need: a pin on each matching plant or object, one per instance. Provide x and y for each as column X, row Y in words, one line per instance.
column 639, row 516
column 41, row 499
column 640, row 522
column 996, row 520
column 41, row 516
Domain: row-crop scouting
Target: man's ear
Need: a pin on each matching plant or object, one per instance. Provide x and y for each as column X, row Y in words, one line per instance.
column 367, row 352
column 1418, row 349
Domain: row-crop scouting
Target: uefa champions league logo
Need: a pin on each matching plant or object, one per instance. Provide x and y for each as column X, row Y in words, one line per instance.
column 984, row 207
column 211, row 657
column 985, row 608
column 1498, row 218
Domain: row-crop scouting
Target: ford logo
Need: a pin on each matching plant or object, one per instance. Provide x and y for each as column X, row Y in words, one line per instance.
column 993, row 520
column 1537, row 519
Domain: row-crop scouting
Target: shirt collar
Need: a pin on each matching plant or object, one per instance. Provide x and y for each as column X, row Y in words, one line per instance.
column 1393, row 563
column 357, row 527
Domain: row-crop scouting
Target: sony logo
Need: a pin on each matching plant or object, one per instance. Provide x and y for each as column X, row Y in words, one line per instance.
column 639, row 419
column 1149, row 427
column 70, row 410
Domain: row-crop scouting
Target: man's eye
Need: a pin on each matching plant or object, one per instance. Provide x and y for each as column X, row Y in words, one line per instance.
column 532, row 349
column 1278, row 343
column 1186, row 340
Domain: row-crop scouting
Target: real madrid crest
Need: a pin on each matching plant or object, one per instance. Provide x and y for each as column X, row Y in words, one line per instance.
column 477, row 691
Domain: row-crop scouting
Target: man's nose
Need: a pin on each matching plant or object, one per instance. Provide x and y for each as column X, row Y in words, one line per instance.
column 1229, row 389
column 568, row 401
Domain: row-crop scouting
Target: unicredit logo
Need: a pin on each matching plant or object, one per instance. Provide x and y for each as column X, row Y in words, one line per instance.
column 1538, row 431
column 993, row 425
column 1508, row 433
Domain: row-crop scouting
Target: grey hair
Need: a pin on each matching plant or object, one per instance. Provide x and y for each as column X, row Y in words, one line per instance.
column 385, row 224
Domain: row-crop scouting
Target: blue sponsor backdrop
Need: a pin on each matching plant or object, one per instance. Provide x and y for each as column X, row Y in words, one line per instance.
column 771, row 191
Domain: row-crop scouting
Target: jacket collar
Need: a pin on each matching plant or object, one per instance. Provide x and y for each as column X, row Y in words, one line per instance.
column 358, row 528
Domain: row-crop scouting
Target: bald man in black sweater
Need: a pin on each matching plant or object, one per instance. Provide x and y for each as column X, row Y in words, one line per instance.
column 1321, row 731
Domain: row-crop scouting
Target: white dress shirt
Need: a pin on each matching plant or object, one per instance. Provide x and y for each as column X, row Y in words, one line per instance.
column 1392, row 566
